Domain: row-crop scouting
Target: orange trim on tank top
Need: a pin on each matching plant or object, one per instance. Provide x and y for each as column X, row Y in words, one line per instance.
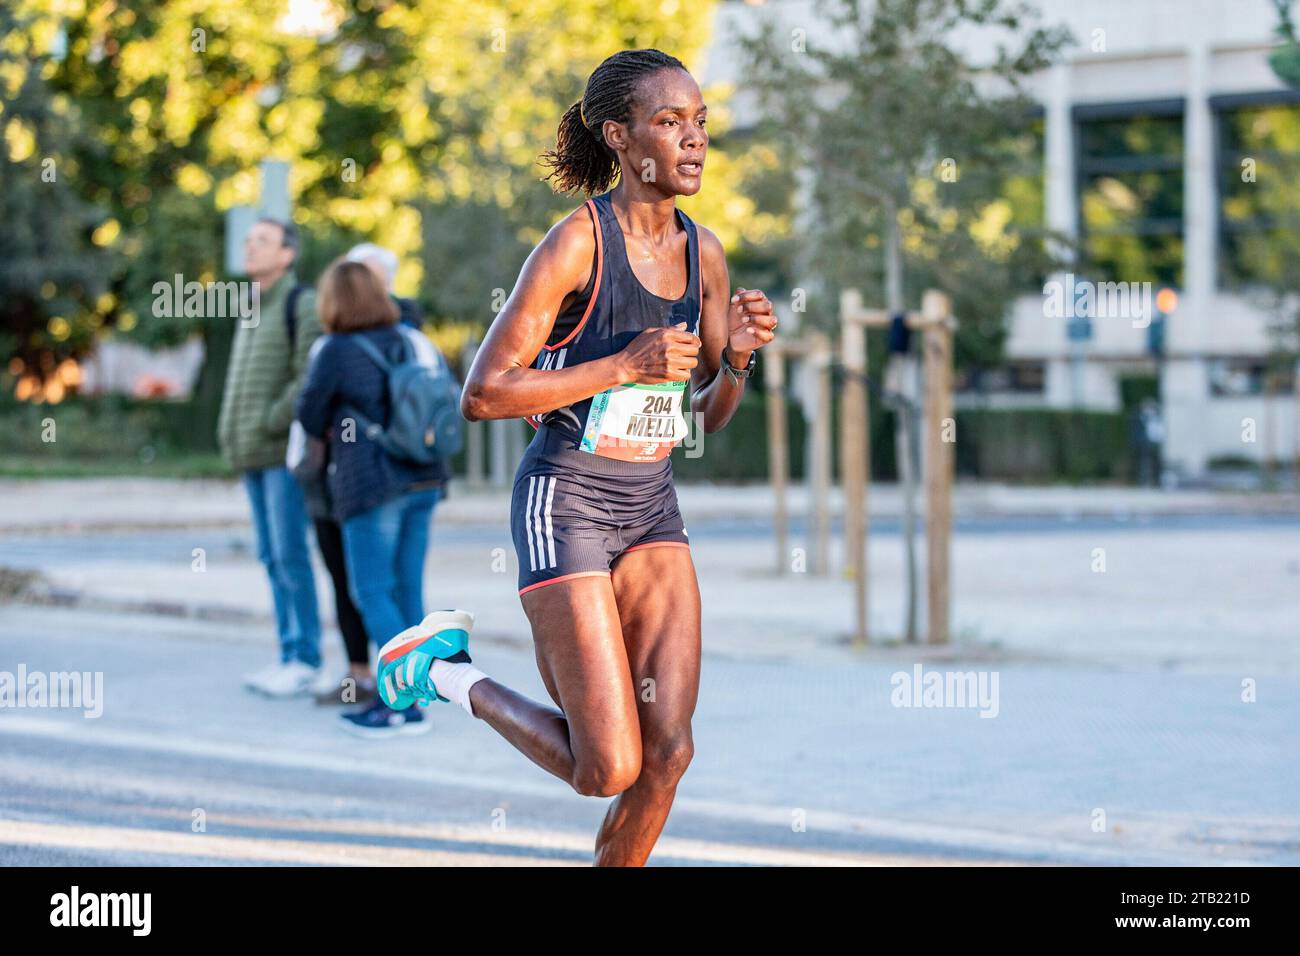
column 699, row 281
column 591, row 304
column 595, row 291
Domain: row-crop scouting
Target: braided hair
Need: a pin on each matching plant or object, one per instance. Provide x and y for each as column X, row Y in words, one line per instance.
column 581, row 159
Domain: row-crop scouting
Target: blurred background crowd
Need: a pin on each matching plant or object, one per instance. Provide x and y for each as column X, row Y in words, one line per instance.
column 984, row 149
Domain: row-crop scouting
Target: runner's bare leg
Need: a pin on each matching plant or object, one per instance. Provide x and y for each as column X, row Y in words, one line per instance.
column 593, row 741
column 663, row 648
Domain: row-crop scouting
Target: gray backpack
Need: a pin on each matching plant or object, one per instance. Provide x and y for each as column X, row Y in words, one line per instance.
column 424, row 422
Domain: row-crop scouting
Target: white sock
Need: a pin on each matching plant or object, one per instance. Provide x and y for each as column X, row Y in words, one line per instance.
column 454, row 681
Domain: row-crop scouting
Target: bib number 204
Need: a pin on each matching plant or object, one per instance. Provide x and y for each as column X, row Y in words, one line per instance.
column 658, row 404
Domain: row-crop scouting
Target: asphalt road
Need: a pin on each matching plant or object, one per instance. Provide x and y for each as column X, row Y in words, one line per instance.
column 798, row 762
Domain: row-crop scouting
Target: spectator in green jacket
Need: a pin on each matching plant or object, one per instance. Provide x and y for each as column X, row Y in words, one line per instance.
column 267, row 362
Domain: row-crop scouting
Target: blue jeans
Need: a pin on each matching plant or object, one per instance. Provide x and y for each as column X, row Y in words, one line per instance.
column 280, row 521
column 384, row 550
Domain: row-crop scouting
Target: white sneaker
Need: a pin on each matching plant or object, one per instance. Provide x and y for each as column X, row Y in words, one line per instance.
column 327, row 682
column 288, row 680
column 255, row 679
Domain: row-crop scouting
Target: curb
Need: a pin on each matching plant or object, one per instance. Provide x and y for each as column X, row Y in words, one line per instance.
column 1271, row 507
column 43, row 594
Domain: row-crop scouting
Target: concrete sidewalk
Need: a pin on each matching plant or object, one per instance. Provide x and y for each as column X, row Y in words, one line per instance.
column 1213, row 596
column 1172, row 590
column 131, row 504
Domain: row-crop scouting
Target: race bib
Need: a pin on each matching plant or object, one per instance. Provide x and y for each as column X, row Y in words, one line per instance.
column 635, row 422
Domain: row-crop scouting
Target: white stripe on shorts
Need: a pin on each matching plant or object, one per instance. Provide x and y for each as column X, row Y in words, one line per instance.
column 528, row 525
column 538, row 530
column 537, row 522
column 550, row 534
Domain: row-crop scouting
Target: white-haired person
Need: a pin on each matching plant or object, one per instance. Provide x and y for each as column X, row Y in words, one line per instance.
column 373, row 719
column 382, row 505
column 383, row 263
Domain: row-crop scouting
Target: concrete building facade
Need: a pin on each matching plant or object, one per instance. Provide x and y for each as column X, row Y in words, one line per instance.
column 1189, row 82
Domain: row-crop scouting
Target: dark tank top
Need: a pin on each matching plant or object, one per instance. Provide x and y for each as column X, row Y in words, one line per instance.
column 628, row 422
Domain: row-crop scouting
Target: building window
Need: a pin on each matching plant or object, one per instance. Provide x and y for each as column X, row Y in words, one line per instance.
column 1259, row 189
column 1238, row 377
column 1130, row 188
column 1023, row 377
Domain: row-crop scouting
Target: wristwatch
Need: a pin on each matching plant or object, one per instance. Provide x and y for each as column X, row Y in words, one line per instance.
column 736, row 374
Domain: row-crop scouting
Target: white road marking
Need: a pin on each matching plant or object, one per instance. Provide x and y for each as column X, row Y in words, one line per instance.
column 939, row 836
column 247, row 849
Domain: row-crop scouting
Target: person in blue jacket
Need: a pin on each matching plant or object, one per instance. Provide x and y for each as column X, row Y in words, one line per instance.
column 384, row 505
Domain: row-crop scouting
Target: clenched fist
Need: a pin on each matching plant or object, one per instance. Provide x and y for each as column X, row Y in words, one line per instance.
column 752, row 322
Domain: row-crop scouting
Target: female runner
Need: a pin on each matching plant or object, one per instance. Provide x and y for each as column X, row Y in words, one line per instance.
column 622, row 305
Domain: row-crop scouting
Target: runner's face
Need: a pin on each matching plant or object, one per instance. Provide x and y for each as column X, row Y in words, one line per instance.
column 667, row 140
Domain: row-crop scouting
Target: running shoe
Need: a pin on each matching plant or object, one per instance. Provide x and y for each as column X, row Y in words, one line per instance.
column 327, row 680
column 402, row 672
column 254, row 679
column 347, row 690
column 287, row 680
column 377, row 721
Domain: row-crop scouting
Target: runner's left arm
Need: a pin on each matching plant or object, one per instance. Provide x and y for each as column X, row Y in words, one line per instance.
column 742, row 321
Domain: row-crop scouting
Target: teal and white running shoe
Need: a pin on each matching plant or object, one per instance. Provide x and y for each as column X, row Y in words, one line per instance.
column 402, row 672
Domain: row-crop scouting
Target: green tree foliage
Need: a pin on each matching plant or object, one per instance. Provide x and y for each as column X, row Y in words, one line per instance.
column 52, row 274
column 416, row 125
column 1260, row 190
column 918, row 159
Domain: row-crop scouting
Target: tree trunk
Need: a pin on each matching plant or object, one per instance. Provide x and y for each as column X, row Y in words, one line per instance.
column 904, row 417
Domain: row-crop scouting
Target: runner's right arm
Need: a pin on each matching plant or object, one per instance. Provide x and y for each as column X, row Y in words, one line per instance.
column 502, row 382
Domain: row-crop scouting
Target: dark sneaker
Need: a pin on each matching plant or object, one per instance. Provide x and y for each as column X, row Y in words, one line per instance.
column 348, row 690
column 378, row 720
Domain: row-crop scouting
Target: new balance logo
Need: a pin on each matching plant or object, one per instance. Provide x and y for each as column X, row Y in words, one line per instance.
column 537, row 523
